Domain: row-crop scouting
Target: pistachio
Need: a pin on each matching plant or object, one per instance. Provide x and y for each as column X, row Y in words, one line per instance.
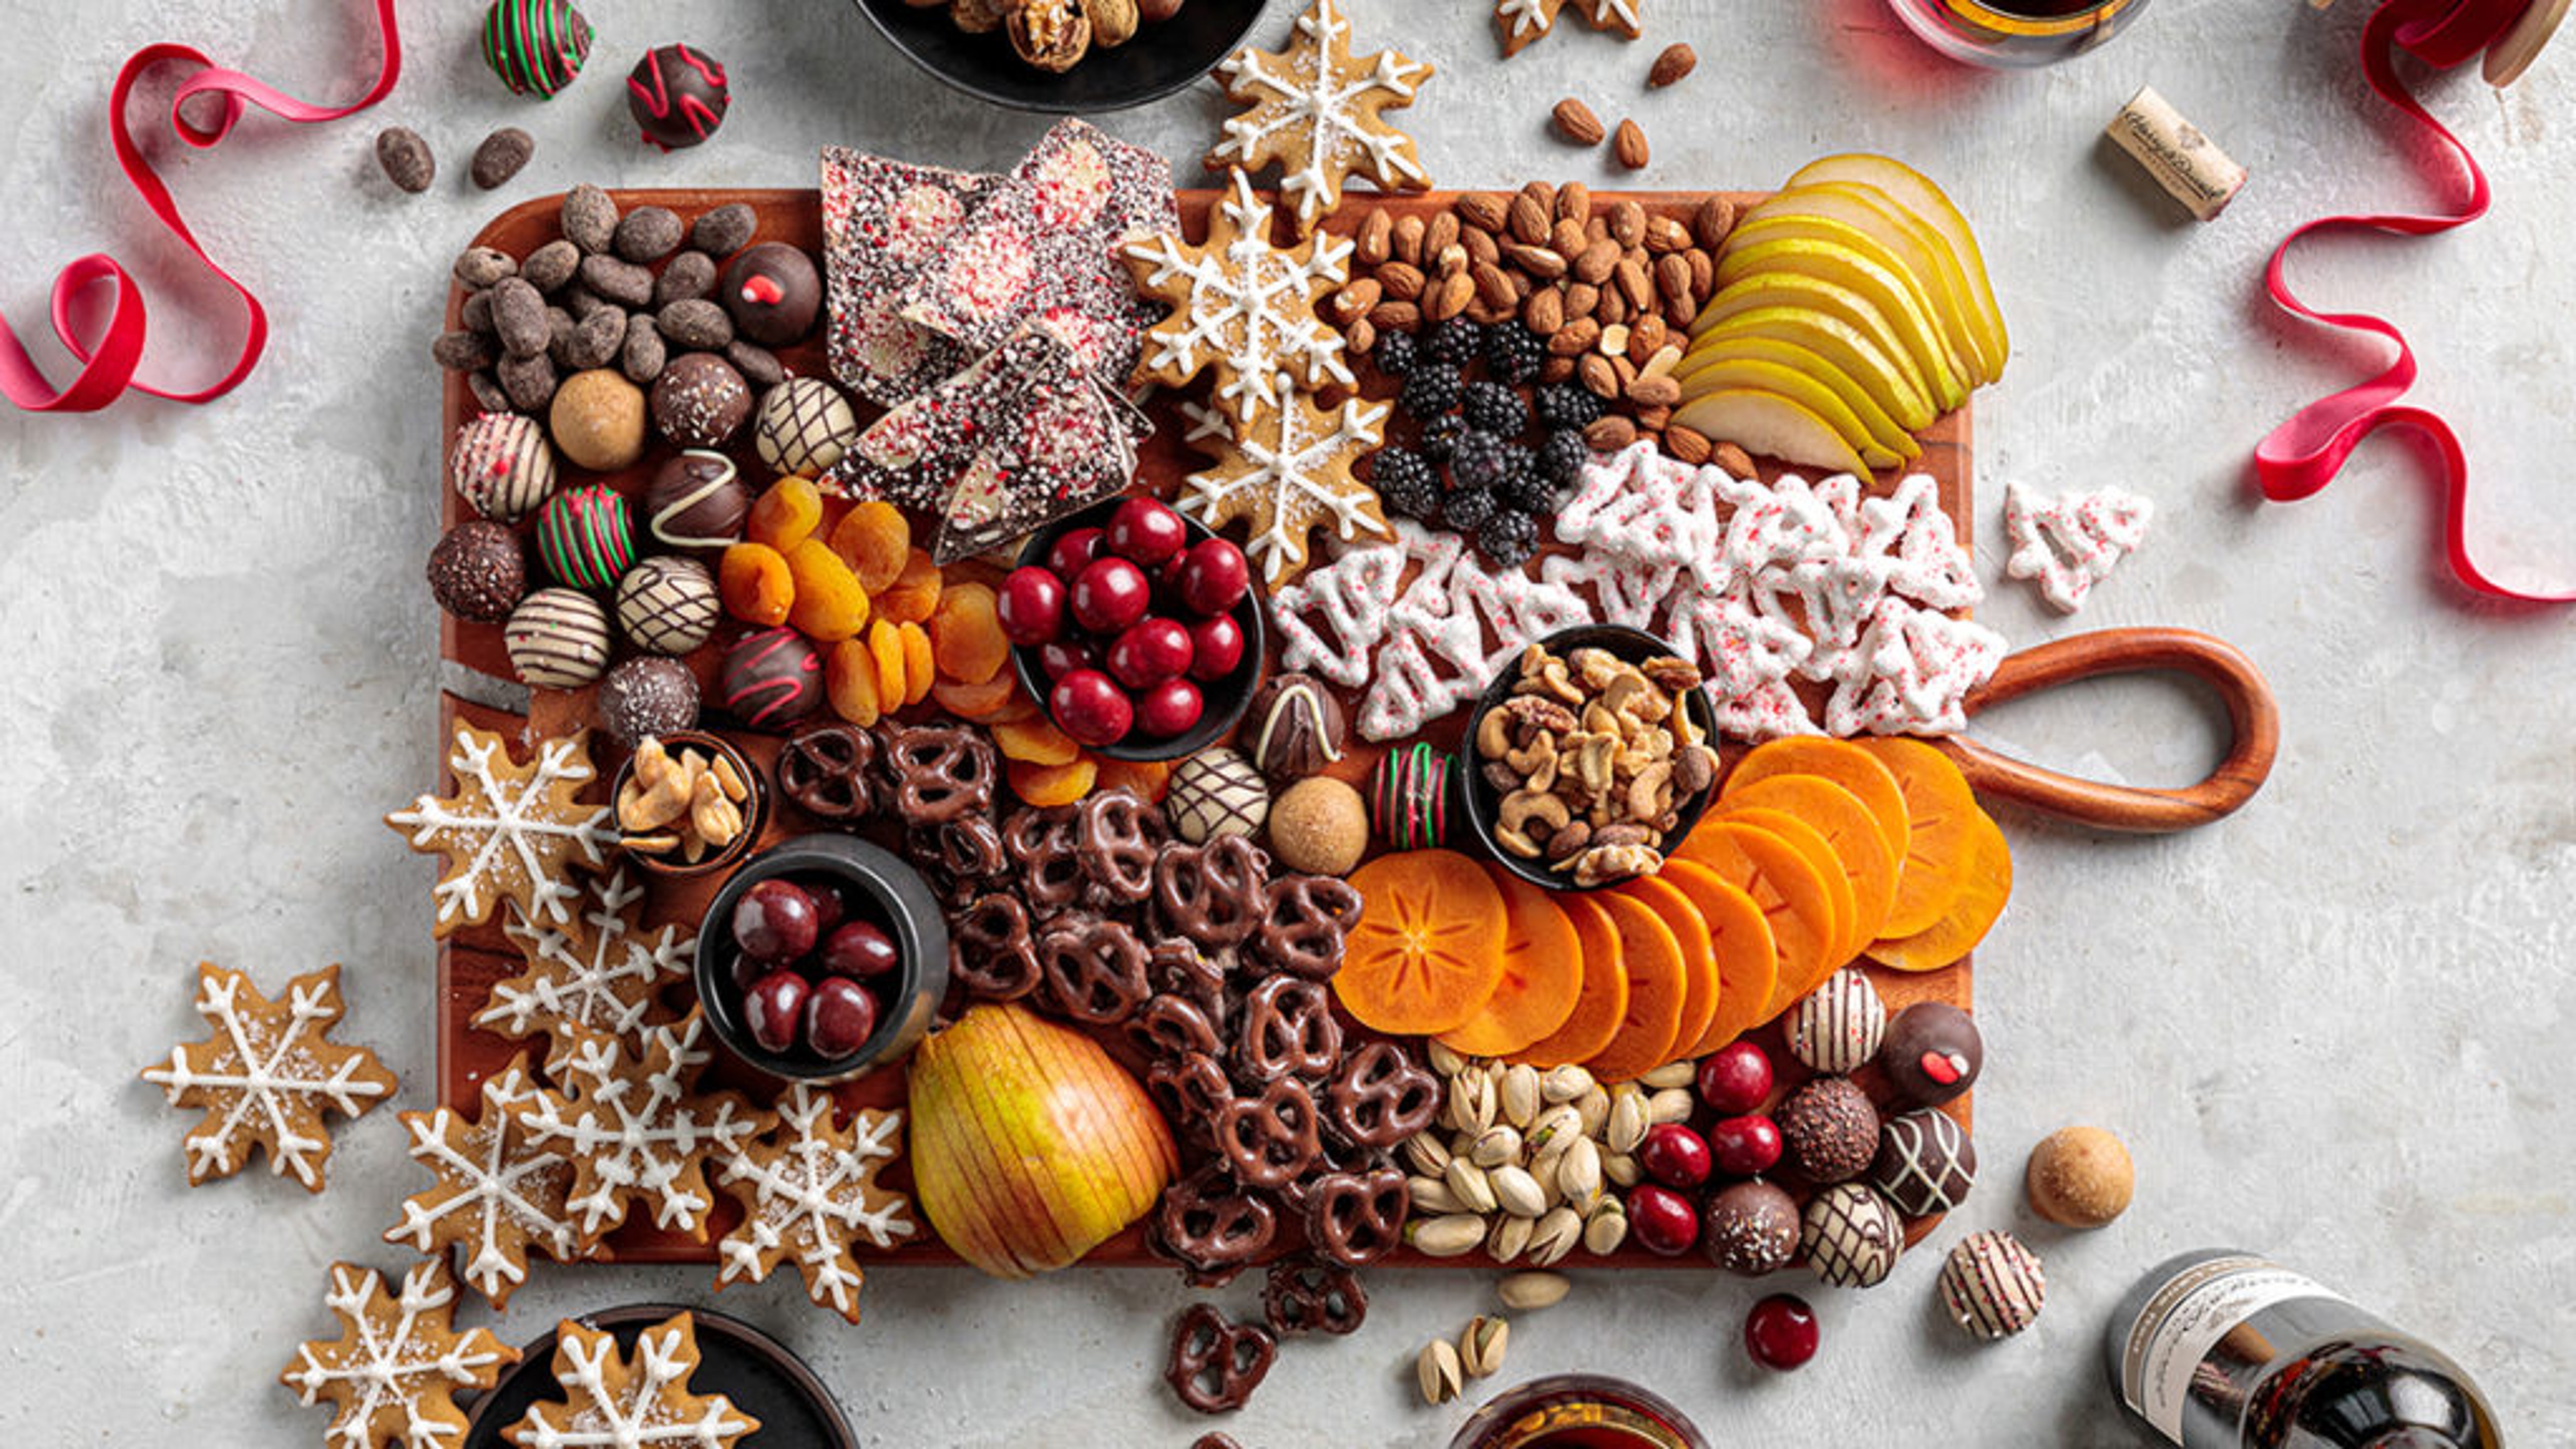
column 1520, row 1095
column 1445, row 1059
column 1670, row 1074
column 1627, row 1124
column 1471, row 1102
column 1578, row 1174
column 1449, row 1235
column 1556, row 1129
column 1672, row 1104
column 1497, row 1146
column 1530, row 1292
column 1553, row 1237
column 1605, row 1230
column 1438, row 1371
column 1509, row 1238
column 1432, row 1195
column 1564, row 1084
column 1481, row 1346
column 1426, row 1153
column 1622, row 1170
column 1516, row 1192
column 1594, row 1108
column 1470, row 1184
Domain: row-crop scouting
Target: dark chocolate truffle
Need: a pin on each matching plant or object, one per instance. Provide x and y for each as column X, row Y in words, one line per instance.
column 773, row 292
column 647, row 696
column 771, row 679
column 1932, row 1054
column 678, row 96
column 697, row 504
column 1293, row 728
column 1830, row 1129
column 1925, row 1164
column 477, row 572
column 699, row 401
column 1750, row 1228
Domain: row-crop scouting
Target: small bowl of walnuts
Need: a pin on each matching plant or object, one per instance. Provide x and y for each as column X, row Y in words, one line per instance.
column 1591, row 758
column 1065, row 56
column 687, row 804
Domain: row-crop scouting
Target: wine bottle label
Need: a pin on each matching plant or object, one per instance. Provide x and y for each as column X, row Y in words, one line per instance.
column 2186, row 1319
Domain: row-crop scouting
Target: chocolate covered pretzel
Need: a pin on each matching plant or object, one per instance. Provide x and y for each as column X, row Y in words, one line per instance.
column 1289, row 1030
column 1217, row 1363
column 1094, row 968
column 1304, row 922
column 1117, row 834
column 1209, row 1225
column 1193, row 1090
column 1041, row 843
column 1215, row 894
column 991, row 950
column 1312, row 1295
column 825, row 769
column 940, row 772
column 1270, row 1140
column 1170, row 1026
column 1381, row 1097
column 1356, row 1218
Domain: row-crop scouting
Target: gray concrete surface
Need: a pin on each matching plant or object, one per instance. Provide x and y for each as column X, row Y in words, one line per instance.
column 2335, row 1027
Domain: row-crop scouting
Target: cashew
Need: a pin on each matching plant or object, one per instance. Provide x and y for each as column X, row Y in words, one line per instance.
column 1597, row 719
column 1494, row 734
column 1596, row 667
column 1643, row 803
column 1523, row 806
column 1516, row 842
column 1535, row 762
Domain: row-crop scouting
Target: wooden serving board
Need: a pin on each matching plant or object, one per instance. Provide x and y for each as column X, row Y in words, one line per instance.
column 473, row 959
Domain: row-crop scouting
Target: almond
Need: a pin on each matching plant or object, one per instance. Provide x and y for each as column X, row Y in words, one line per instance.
column 1574, row 338
column 1677, row 60
column 1703, row 271
column 1574, row 199
column 1528, row 220
column 1407, row 242
column 1654, row 392
column 1395, row 317
column 1662, row 362
column 1537, row 261
column 1612, row 308
column 1646, row 338
column 1624, row 370
column 1635, row 283
column 1673, row 277
column 1582, row 299
column 1440, row 233
column 1451, row 260
column 1733, row 459
column 1354, row 301
column 1628, row 223
column 1595, row 262
column 1653, row 419
column 1567, row 238
column 1493, row 285
column 1610, row 434
column 1556, row 369
column 1544, row 313
column 1575, row 123
column 1715, row 218
column 1484, row 313
column 1450, row 298
column 1483, row 210
column 1481, row 247
column 1688, row 445
column 1597, row 229
column 1681, row 316
column 1628, row 143
column 1376, row 235
column 1360, row 337
column 1542, row 194
column 1401, row 281
column 1663, row 234
column 1597, row 375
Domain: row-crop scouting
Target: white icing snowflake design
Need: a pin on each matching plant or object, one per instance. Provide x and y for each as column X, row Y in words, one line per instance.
column 618, row 1408
column 397, row 1360
column 1289, row 474
column 495, row 1193
column 1246, row 308
column 815, row 1197
column 2072, row 542
column 510, row 829
column 1304, row 88
column 634, row 1129
column 268, row 1075
column 604, row 973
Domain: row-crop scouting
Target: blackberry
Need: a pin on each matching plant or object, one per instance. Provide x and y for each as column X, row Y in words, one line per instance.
column 1562, row 457
column 1493, row 408
column 1466, row 510
column 1439, row 437
column 1431, row 391
column 1568, row 405
column 1514, row 354
column 1407, row 483
column 1523, row 486
column 1478, row 461
column 1394, row 353
column 1455, row 342
column 1507, row 538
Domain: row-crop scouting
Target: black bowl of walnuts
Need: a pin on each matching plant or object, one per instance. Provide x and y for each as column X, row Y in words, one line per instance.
column 1064, row 56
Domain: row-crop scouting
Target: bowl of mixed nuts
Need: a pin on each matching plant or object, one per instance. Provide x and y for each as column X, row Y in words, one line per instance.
column 1072, row 57
column 1592, row 758
column 688, row 804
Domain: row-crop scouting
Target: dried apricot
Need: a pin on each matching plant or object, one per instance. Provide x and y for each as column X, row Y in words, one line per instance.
column 787, row 514
column 876, row 540
column 830, row 606
column 757, row 586
column 1035, row 742
column 1149, row 778
column 976, row 702
column 919, row 669
column 850, row 681
column 1047, row 786
column 966, row 633
column 885, row 646
column 914, row 595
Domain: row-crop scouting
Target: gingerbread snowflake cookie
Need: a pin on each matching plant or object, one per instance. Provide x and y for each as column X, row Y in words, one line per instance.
column 1319, row 112
column 2072, row 542
column 1521, row 22
column 637, row 1402
column 268, row 1076
column 1241, row 308
column 511, row 832
column 1286, row 473
column 604, row 972
column 394, row 1372
column 497, row 1194
column 809, row 1193
column 637, row 1129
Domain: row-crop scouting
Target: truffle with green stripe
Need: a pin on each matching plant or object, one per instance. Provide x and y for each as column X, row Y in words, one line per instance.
column 535, row 45
column 587, row 537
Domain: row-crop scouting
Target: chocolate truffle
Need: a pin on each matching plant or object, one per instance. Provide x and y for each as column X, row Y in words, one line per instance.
column 770, row 679
column 598, row 420
column 1216, row 792
column 1992, row 1285
column 535, row 45
column 1293, row 728
column 773, row 292
column 502, row 466
column 1852, row 1236
column 647, row 696
column 697, row 504
column 1925, row 1163
column 668, row 605
column 557, row 638
column 805, row 426
column 1750, row 1228
column 587, row 537
column 699, row 401
column 677, row 96
column 1932, row 1054
column 477, row 572
column 1830, row 1129
column 1319, row 827
column 2080, row 1177
column 1838, row 1026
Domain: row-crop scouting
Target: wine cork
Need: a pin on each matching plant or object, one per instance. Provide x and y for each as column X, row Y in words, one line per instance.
column 2186, row 163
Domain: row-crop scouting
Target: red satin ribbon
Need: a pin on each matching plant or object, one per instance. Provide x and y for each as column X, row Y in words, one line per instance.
column 2304, row 454
column 109, row 358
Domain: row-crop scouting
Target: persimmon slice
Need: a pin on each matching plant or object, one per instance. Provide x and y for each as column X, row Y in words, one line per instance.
column 1699, row 961
column 1428, row 948
column 1790, row 892
column 1980, row 900
column 1542, row 975
column 1603, row 1004
column 1657, row 988
column 1850, row 828
column 1940, row 813
column 1748, row 961
column 1841, row 761
column 1811, row 843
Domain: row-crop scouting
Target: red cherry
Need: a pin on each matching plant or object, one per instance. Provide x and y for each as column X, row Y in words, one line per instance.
column 1110, row 594
column 1674, row 1155
column 1662, row 1220
column 1780, row 1333
column 1073, row 551
column 859, row 949
column 1031, row 606
column 829, row 909
column 1060, row 657
column 1214, row 576
column 1745, row 1146
column 1088, row 705
column 1170, row 708
column 1735, row 1079
column 1149, row 652
column 1147, row 531
column 1216, row 647
column 773, row 1008
column 839, row 1017
column 774, row 921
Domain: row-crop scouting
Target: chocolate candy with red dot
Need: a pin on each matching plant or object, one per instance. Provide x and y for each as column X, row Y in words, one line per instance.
column 1932, row 1054
column 772, row 292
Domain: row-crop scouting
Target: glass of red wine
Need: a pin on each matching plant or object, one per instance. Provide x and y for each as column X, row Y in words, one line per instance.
column 2015, row 32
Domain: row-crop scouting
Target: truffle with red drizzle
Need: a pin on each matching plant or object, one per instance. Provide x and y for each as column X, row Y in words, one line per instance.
column 770, row 679
column 678, row 96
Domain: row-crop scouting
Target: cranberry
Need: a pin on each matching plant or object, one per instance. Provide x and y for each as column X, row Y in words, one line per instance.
column 747, row 971
column 1073, row 551
column 1147, row 531
column 1110, row 594
column 1170, row 708
column 829, row 909
column 1060, row 657
column 1216, row 647
column 772, row 1008
column 1745, row 1146
column 1674, row 1155
column 775, row 921
column 1149, row 652
column 1662, row 1220
column 859, row 949
column 1031, row 606
column 1780, row 1333
column 1736, row 1079
column 1088, row 705
column 839, row 1017
column 1214, row 576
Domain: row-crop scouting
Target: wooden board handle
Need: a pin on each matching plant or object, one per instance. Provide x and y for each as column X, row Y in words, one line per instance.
column 2252, row 712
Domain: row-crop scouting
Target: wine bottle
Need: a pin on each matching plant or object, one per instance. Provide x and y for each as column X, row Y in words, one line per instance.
column 2223, row 1350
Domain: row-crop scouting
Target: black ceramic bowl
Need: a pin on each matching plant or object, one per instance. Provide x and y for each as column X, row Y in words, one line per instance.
column 1226, row 699
column 878, row 884
column 755, row 808
column 761, row 1378
column 1484, row 802
column 1163, row 57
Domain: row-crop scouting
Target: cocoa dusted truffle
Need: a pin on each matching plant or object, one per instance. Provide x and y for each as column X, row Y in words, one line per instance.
column 773, row 292
column 678, row 96
column 699, row 401
column 1830, row 1128
column 647, row 696
column 1750, row 1228
column 1932, row 1054
column 478, row 572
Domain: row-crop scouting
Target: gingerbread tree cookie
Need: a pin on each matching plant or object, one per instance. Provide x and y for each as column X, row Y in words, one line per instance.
column 1286, row 472
column 268, row 1076
column 496, row 1194
column 808, row 1189
column 605, row 972
column 638, row 1131
column 1242, row 308
column 511, row 832
column 394, row 1371
column 1319, row 112
column 641, row 1402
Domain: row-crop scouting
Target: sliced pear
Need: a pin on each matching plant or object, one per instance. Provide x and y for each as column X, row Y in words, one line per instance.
column 1866, row 208
column 1791, row 289
column 1890, row 378
column 1948, row 306
column 1770, row 426
column 1799, row 387
column 1914, row 191
column 1893, row 292
column 1727, row 366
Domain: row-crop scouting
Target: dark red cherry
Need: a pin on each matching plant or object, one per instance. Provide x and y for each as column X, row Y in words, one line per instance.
column 1060, row 657
column 860, row 949
column 1089, row 706
column 1110, row 594
column 1780, row 1333
column 1149, row 652
column 774, row 1009
column 839, row 1017
column 1216, row 647
column 1030, row 606
column 1735, row 1079
column 775, row 921
column 1674, row 1155
column 829, row 909
column 1170, row 708
column 1745, row 1146
column 1146, row 530
column 1073, row 551
column 1214, row 577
